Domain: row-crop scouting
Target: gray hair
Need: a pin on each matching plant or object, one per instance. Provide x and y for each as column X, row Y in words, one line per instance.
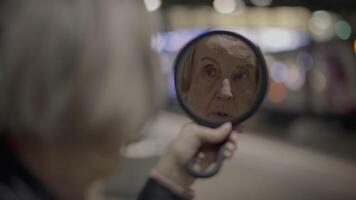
column 74, row 67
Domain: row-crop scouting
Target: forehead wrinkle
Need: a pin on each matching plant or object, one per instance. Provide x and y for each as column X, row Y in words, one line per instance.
column 229, row 45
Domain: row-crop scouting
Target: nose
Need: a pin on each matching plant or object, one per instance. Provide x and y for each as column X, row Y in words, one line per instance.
column 225, row 90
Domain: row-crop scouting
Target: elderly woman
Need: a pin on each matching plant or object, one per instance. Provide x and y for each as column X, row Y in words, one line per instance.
column 76, row 84
column 219, row 77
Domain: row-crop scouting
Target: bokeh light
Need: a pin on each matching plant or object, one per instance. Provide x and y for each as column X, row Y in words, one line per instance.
column 277, row 92
column 240, row 7
column 225, row 6
column 295, row 78
column 305, row 60
column 281, row 39
column 279, row 71
column 343, row 29
column 152, row 5
column 321, row 26
column 318, row 81
column 355, row 45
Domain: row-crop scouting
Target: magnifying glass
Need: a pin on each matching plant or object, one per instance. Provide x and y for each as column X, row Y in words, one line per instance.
column 220, row 76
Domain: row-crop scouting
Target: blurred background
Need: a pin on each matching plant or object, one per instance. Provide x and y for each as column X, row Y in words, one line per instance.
column 301, row 144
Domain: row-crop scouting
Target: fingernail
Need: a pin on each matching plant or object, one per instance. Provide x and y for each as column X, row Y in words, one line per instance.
column 230, row 146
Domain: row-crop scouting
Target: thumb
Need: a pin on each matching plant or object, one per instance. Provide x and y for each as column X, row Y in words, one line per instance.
column 214, row 136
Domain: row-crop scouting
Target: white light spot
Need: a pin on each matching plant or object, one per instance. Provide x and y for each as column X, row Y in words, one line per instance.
column 321, row 25
column 224, row 6
column 152, row 5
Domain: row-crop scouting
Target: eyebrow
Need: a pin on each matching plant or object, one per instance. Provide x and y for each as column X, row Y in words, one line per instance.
column 210, row 59
column 248, row 67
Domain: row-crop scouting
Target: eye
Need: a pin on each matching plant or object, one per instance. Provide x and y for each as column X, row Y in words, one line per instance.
column 210, row 71
column 241, row 76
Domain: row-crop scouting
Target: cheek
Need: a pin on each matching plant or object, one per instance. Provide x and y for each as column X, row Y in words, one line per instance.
column 200, row 95
column 202, row 87
column 243, row 98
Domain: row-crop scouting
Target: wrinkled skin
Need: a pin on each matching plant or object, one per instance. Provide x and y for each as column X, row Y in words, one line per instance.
column 223, row 81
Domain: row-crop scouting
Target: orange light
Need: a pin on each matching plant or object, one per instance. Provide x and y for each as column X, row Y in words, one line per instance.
column 277, row 92
column 355, row 46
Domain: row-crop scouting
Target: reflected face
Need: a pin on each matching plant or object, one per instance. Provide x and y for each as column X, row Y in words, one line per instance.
column 223, row 81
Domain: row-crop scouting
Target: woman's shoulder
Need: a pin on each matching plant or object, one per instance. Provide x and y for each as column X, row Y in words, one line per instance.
column 16, row 182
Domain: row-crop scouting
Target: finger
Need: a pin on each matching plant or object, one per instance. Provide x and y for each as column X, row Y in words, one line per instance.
column 207, row 160
column 228, row 154
column 213, row 136
column 233, row 137
column 230, row 146
column 230, row 149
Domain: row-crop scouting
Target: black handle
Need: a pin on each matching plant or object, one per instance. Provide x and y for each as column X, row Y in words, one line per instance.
column 210, row 171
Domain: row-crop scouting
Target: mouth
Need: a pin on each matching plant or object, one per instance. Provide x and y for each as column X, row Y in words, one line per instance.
column 220, row 115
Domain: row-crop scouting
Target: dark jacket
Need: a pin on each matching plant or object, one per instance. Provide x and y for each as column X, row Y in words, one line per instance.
column 153, row 190
column 16, row 183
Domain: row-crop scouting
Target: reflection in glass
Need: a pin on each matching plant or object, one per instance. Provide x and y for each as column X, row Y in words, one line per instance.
column 218, row 77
